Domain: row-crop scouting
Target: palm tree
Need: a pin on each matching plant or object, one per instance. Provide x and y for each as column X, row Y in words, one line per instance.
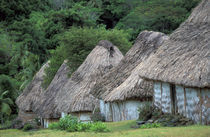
column 5, row 104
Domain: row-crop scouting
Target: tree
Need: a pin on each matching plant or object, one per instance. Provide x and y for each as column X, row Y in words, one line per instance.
column 5, row 105
column 114, row 10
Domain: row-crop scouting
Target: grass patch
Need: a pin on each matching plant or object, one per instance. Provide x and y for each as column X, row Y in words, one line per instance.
column 118, row 129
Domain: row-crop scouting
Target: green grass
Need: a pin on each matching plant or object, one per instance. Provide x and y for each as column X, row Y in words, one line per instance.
column 118, row 129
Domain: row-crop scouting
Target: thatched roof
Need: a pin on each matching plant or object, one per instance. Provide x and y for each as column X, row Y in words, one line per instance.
column 146, row 43
column 31, row 94
column 184, row 59
column 46, row 106
column 75, row 95
column 134, row 87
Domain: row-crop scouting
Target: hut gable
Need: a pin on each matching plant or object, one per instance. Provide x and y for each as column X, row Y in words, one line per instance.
column 31, row 94
column 46, row 106
column 184, row 59
column 75, row 95
column 146, row 43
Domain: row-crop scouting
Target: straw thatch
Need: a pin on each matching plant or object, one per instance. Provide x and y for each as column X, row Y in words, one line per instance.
column 46, row 107
column 75, row 95
column 31, row 94
column 184, row 59
column 134, row 87
column 146, row 43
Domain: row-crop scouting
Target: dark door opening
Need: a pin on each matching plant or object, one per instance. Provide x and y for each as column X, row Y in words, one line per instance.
column 173, row 99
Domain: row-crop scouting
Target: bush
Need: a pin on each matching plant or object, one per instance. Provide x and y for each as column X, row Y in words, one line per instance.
column 27, row 127
column 97, row 116
column 17, row 123
column 153, row 125
column 54, row 125
column 68, row 122
column 84, row 126
column 145, row 112
column 72, row 128
column 71, row 124
column 6, row 125
column 99, row 127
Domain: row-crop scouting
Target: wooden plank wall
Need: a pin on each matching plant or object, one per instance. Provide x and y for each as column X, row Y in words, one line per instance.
column 194, row 103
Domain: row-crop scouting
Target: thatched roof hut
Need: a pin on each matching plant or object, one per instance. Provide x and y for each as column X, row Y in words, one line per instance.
column 184, row 59
column 75, row 95
column 124, row 101
column 146, row 43
column 180, row 68
column 27, row 100
column 31, row 94
column 46, row 106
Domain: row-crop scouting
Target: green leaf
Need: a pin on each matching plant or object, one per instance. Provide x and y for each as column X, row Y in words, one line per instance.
column 5, row 108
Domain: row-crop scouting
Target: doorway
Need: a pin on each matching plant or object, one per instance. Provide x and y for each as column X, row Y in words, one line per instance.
column 173, row 99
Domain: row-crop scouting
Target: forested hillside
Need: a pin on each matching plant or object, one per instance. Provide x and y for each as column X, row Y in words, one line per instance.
column 35, row 31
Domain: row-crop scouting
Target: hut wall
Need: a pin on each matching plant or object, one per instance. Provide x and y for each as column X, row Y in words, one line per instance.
column 82, row 116
column 157, row 94
column 205, row 113
column 132, row 109
column 48, row 121
column 106, row 110
column 180, row 95
column 102, row 107
column 85, row 117
column 63, row 114
column 166, row 98
column 26, row 116
column 126, row 110
column 116, row 111
column 194, row 103
column 46, row 124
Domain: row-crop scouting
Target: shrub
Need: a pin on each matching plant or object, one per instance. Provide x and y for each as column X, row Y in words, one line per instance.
column 97, row 116
column 153, row 125
column 27, row 127
column 145, row 112
column 99, row 127
column 72, row 128
column 84, row 126
column 17, row 124
column 6, row 125
column 54, row 125
column 71, row 124
column 68, row 123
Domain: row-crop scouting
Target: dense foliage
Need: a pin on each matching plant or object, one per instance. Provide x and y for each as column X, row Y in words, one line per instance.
column 77, row 43
column 35, row 31
column 157, row 15
column 71, row 124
